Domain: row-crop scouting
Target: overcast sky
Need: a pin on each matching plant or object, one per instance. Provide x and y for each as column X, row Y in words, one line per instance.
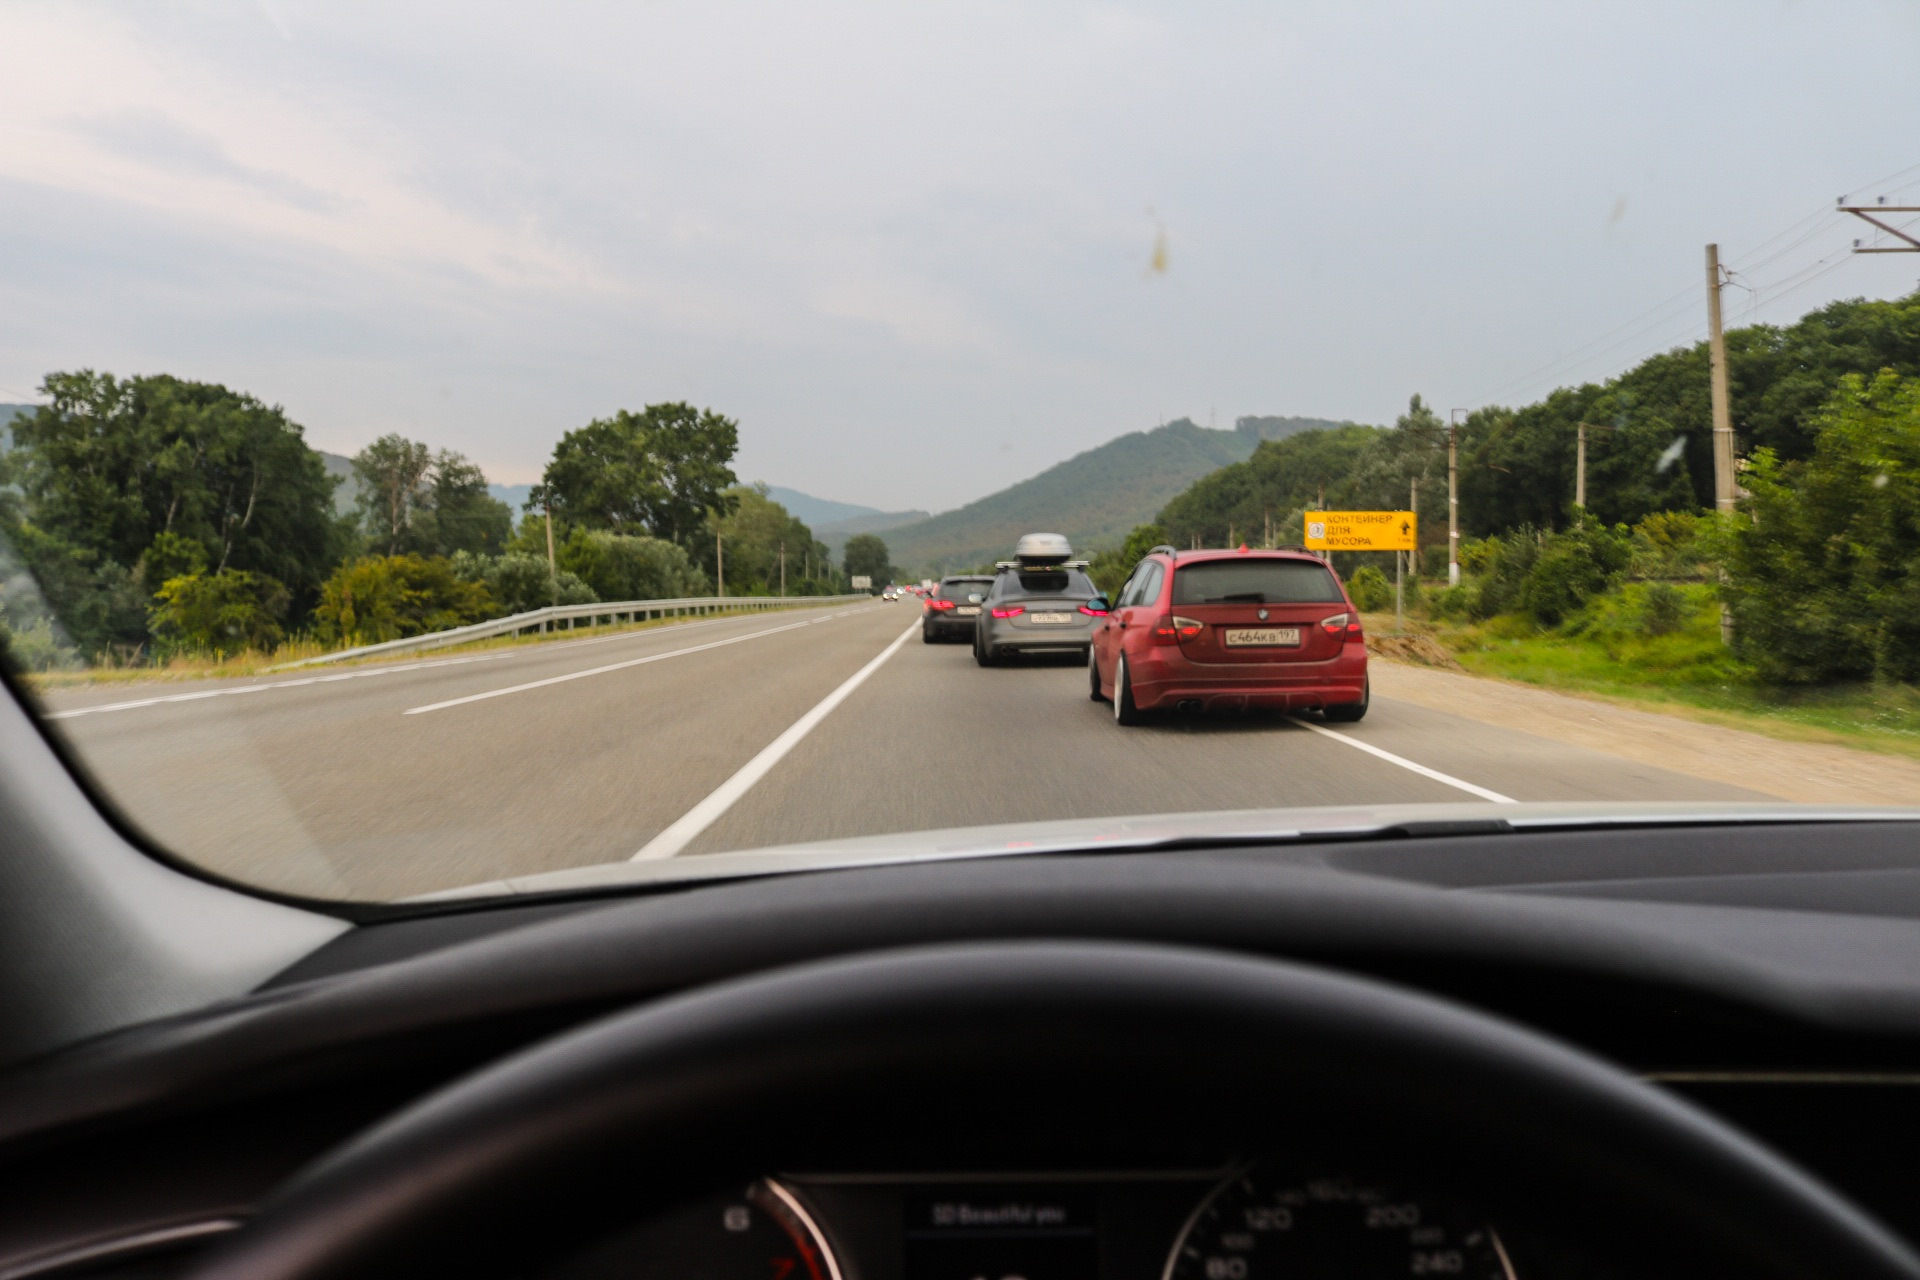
column 912, row 247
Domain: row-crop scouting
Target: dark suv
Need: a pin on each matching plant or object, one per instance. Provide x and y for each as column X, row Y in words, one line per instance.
column 950, row 610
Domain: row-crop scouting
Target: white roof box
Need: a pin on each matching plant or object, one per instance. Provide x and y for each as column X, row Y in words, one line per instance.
column 1042, row 549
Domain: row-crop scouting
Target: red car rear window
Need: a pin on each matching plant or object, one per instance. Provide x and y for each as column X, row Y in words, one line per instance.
column 1255, row 582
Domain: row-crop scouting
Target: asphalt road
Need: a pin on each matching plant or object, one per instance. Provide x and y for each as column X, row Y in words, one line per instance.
column 405, row 778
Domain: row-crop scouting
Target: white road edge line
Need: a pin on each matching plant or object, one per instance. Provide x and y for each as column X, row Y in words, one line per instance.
column 1405, row 763
column 600, row 671
column 723, row 797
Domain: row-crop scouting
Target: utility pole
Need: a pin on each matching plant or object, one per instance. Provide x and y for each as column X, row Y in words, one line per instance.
column 1580, row 469
column 553, row 566
column 1722, row 411
column 719, row 566
column 1453, row 499
column 783, row 568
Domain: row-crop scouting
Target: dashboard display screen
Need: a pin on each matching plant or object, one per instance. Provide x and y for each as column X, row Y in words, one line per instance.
column 1011, row 1233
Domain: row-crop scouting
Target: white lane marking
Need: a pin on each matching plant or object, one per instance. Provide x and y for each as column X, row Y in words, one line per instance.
column 1405, row 763
column 701, row 816
column 600, row 671
column 521, row 651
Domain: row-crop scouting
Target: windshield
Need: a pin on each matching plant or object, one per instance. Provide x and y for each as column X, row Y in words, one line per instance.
column 1254, row 582
column 560, row 444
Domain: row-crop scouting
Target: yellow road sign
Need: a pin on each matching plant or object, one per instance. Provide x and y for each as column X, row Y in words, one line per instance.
column 1363, row 531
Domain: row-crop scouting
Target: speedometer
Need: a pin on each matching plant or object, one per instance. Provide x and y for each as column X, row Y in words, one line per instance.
column 1261, row 1226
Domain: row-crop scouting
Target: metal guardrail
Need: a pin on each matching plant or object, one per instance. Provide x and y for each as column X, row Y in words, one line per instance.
column 544, row 619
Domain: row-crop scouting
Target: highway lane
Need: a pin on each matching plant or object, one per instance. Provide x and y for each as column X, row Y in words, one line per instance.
column 454, row 771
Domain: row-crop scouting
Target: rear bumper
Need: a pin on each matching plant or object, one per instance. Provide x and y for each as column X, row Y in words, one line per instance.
column 1005, row 635
column 1163, row 677
column 941, row 625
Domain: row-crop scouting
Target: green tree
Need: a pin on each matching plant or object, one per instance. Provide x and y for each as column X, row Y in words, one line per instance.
column 108, row 466
column 1109, row 569
column 459, row 514
column 412, row 499
column 392, row 472
column 379, row 598
column 866, row 554
column 1824, row 563
column 755, row 531
column 221, row 613
column 659, row 471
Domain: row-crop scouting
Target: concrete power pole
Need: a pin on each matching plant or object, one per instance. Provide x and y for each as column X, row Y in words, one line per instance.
column 553, row 565
column 1580, row 468
column 719, row 566
column 783, row 568
column 1453, row 500
column 1722, row 410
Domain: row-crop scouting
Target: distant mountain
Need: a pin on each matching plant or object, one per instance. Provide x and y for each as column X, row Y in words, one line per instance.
column 514, row 495
column 834, row 522
column 1095, row 498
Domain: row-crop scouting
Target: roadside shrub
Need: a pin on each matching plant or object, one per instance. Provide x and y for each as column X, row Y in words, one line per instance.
column 1824, row 564
column 1572, row 567
column 519, row 583
column 625, row 567
column 1502, row 565
column 1663, row 610
column 380, row 598
column 1370, row 589
column 1456, row 604
column 1672, row 544
column 221, row 613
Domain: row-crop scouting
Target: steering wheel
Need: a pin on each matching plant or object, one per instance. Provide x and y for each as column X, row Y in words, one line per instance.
column 970, row 1044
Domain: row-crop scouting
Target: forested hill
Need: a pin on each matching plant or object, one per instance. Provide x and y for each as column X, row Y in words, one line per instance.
column 1094, row 498
column 1649, row 444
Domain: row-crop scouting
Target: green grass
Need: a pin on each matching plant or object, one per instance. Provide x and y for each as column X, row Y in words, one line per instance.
column 1687, row 672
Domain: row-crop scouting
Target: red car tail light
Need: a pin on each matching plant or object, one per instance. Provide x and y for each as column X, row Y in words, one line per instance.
column 1172, row 629
column 1092, row 612
column 1010, row 611
column 939, row 604
column 1348, row 622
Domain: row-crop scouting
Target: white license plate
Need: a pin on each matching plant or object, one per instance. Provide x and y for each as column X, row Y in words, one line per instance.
column 1247, row 637
column 1050, row 619
column 966, row 611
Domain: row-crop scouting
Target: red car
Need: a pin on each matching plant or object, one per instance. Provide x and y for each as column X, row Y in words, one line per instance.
column 1198, row 630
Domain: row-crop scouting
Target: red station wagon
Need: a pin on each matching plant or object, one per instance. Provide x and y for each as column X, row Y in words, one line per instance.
column 1199, row 630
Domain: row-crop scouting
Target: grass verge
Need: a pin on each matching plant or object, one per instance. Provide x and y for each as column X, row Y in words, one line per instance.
column 1687, row 672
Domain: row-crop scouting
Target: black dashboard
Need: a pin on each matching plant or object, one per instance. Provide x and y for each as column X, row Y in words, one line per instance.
column 1771, row 974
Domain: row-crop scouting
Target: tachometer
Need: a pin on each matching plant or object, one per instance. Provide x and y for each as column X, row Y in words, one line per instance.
column 1262, row 1226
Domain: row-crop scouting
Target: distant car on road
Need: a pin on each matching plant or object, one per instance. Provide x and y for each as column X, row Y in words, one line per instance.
column 953, row 606
column 890, row 593
column 1041, row 602
column 1198, row 630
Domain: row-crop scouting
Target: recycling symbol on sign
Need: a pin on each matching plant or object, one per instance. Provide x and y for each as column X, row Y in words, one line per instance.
column 1317, row 529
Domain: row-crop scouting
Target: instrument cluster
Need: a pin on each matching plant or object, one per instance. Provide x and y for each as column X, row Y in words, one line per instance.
column 1255, row 1221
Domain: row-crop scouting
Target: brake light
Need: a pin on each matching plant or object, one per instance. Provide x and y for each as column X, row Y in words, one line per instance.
column 1339, row 622
column 939, row 604
column 1009, row 611
column 1172, row 628
column 1092, row 612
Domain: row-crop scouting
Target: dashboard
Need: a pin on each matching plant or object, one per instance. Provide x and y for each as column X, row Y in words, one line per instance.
column 1766, row 974
column 1263, row 1220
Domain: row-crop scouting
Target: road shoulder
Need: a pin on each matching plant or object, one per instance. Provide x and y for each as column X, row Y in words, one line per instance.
column 1802, row 772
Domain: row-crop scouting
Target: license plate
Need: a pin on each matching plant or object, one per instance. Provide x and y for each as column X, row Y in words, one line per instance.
column 966, row 611
column 1247, row 637
column 1050, row 619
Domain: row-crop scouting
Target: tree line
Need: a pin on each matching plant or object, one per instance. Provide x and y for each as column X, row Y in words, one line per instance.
column 150, row 516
